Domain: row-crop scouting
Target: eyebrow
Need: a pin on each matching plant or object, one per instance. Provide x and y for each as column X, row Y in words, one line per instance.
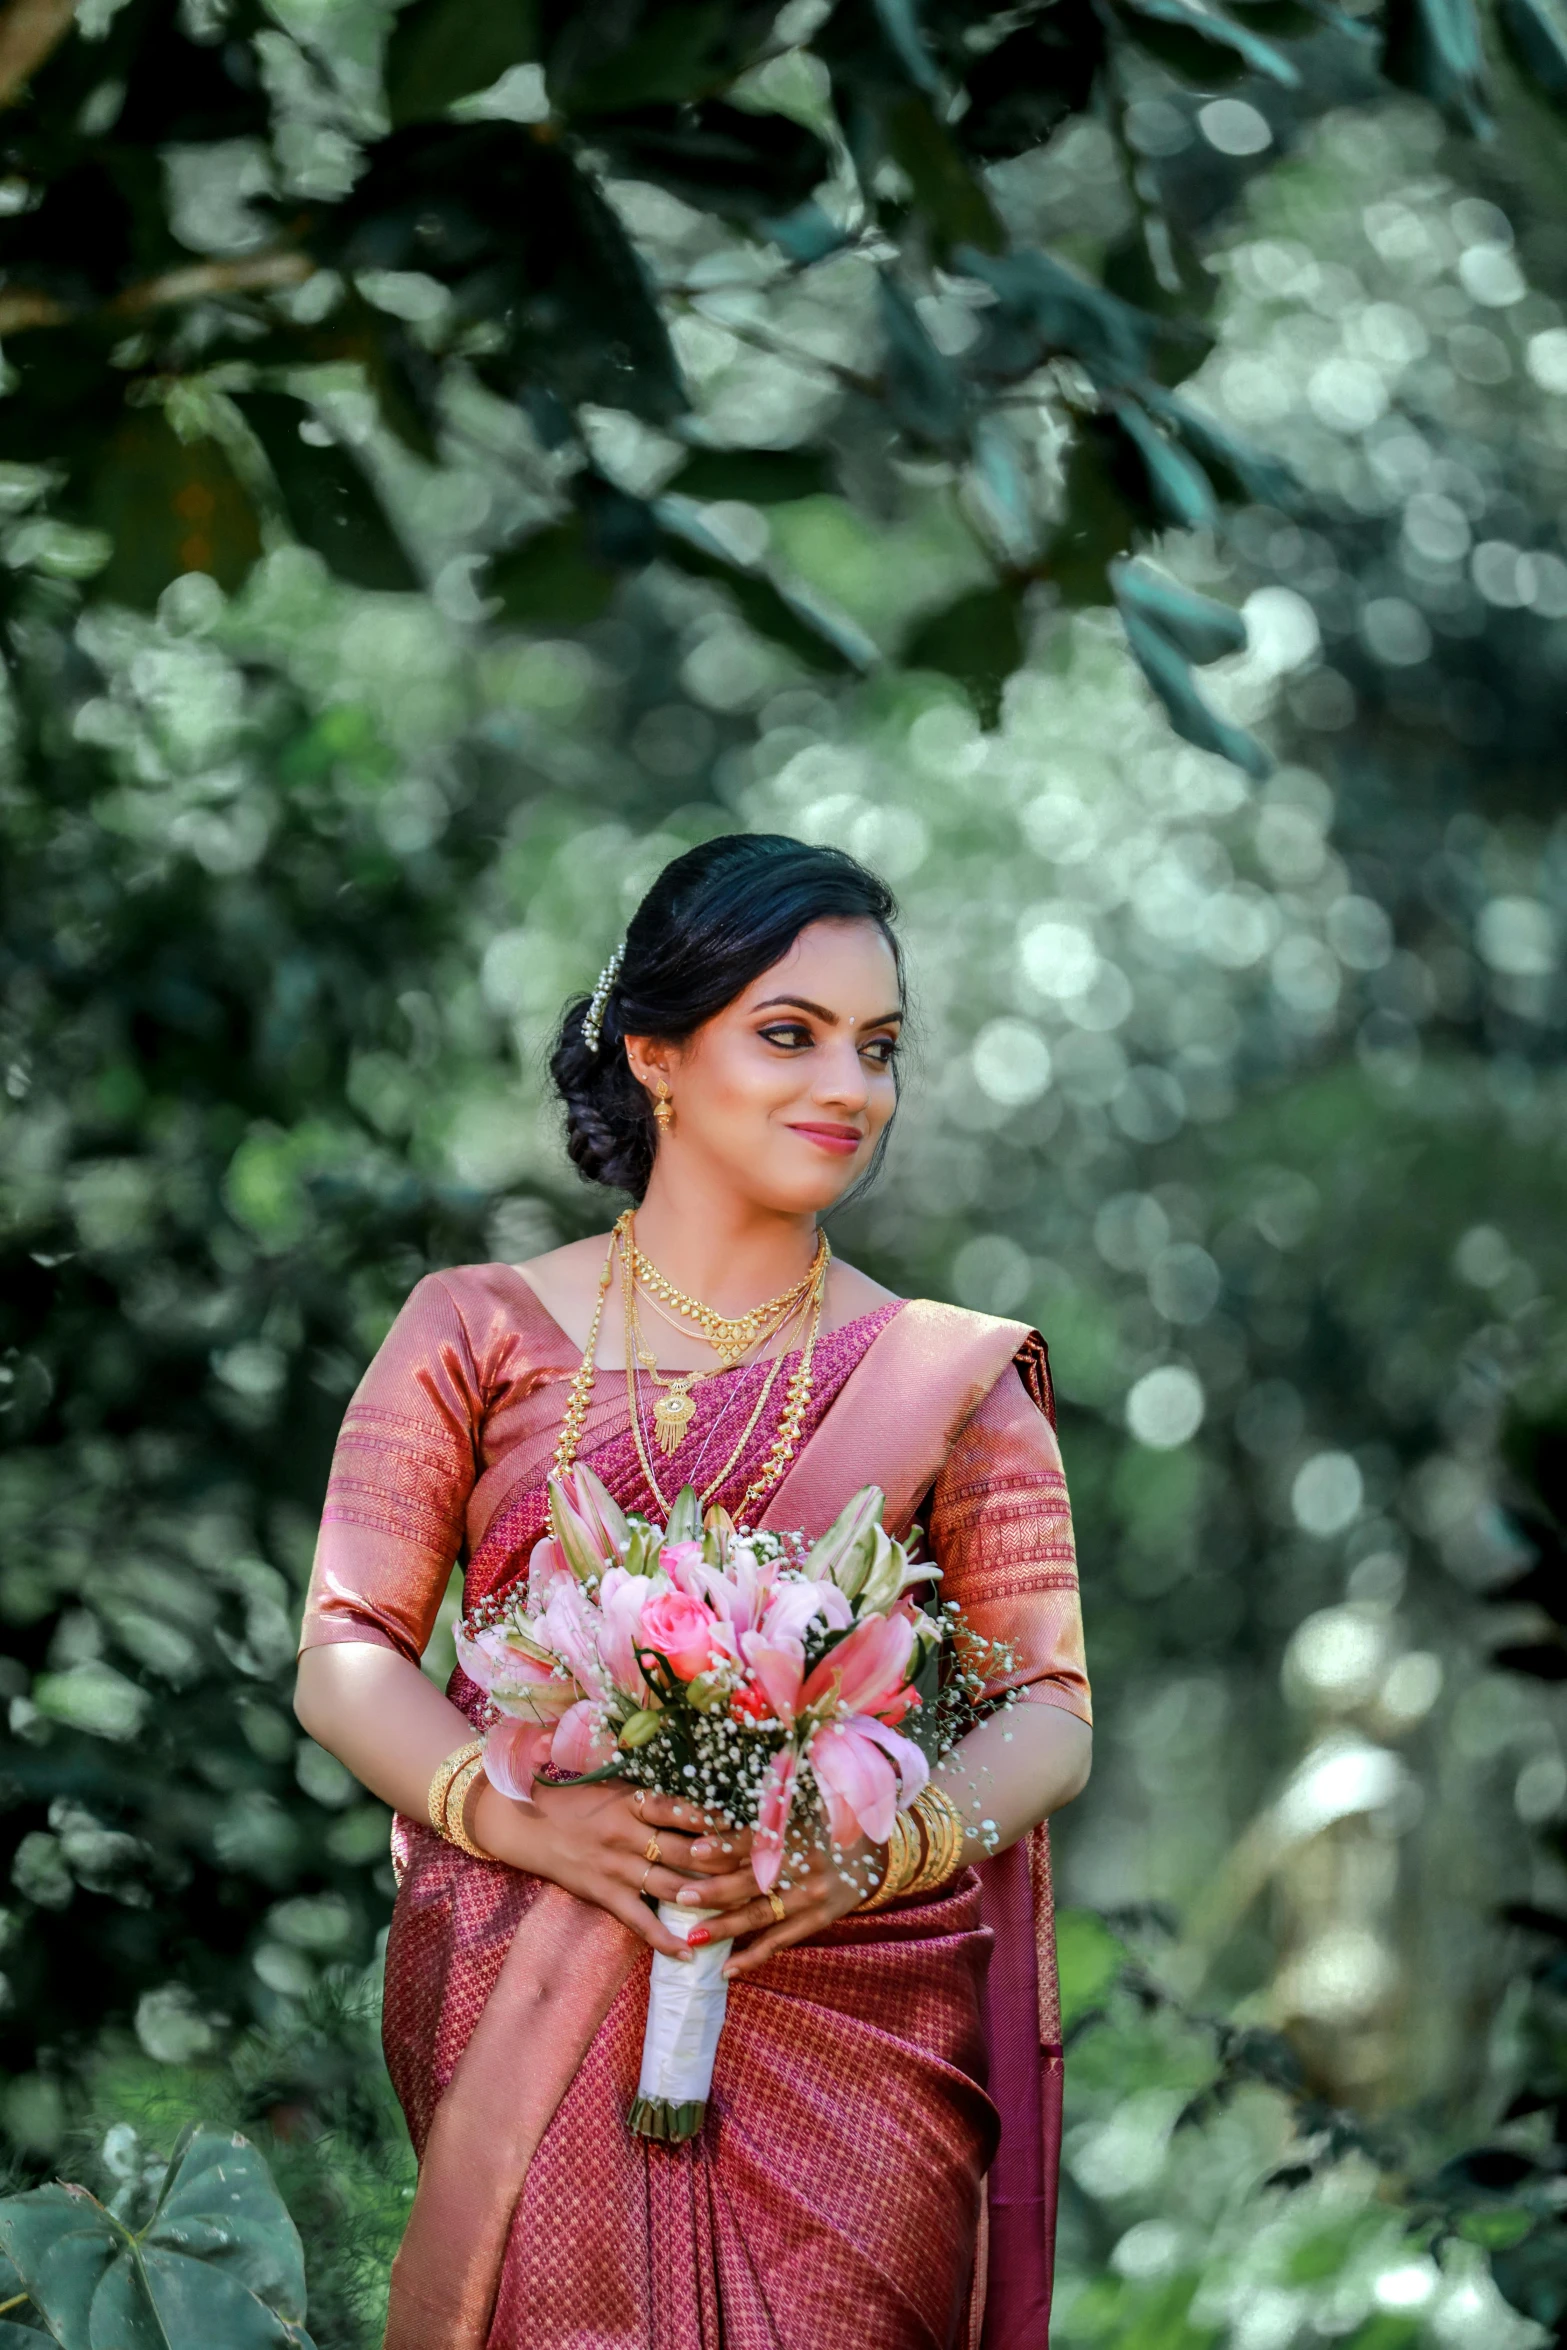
column 800, row 1003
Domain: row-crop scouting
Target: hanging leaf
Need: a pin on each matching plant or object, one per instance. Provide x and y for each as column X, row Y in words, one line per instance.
column 443, row 50
column 1181, row 490
column 1536, row 32
column 1199, row 626
column 1167, row 628
column 718, row 158
column 533, row 254
column 553, row 580
column 326, row 496
column 1042, row 310
column 946, row 193
column 783, row 610
column 978, row 640
column 1198, row 20
column 219, row 2262
column 606, row 57
column 924, row 391
column 1435, row 47
column 1000, row 486
column 1239, row 471
column 1024, row 88
column 900, row 26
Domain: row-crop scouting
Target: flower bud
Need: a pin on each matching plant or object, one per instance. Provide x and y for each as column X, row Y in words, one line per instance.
column 640, row 1727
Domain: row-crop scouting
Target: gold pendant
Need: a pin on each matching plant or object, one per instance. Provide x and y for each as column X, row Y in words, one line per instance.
column 673, row 1414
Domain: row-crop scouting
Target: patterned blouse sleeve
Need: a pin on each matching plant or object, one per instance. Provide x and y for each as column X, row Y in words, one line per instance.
column 396, row 1501
column 1001, row 1530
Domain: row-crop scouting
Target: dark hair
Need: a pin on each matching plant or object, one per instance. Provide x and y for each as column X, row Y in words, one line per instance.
column 714, row 920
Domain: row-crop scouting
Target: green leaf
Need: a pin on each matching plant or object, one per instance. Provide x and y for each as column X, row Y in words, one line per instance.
column 326, row 496
column 611, row 56
column 218, row 2263
column 1199, row 626
column 1002, row 490
column 756, row 477
column 1240, row 471
column 978, row 640
column 443, row 50
column 900, row 25
column 1213, row 27
column 718, row 158
column 946, row 192
column 536, row 260
column 1180, row 488
column 1088, row 1960
column 924, row 391
column 1435, row 47
column 1166, row 663
column 61, row 2242
column 1536, row 32
column 1043, row 309
column 783, row 610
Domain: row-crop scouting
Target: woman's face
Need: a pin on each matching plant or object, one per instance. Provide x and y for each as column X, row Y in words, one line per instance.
column 787, row 1089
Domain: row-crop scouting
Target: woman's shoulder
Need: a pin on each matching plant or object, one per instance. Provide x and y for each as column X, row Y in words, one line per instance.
column 494, row 1302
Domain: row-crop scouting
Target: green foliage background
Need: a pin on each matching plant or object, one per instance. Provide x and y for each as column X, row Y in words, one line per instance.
column 419, row 525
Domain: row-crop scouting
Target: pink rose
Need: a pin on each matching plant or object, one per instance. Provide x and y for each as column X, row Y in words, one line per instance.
column 681, row 1630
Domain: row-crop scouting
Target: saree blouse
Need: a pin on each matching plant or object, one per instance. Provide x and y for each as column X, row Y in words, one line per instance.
column 460, row 1412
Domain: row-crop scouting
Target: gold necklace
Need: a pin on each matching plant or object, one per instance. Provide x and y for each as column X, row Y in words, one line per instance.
column 796, row 1404
column 582, row 1378
column 629, row 1309
column 792, row 1413
column 675, row 1407
column 729, row 1335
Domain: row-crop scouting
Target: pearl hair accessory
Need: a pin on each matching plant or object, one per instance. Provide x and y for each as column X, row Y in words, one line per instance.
column 593, row 1019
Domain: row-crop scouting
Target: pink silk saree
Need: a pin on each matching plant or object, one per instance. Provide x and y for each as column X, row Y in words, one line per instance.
column 878, row 2166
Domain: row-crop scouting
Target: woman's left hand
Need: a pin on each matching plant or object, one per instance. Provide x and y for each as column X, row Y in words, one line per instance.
column 820, row 1891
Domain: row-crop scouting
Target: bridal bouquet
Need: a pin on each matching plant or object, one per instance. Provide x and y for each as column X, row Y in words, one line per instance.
column 754, row 1675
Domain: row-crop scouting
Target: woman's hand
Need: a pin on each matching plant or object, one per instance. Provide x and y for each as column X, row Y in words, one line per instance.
column 823, row 1887
column 597, row 1842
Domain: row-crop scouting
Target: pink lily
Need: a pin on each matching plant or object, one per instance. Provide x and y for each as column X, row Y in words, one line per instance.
column 868, row 1669
column 853, row 1763
column 680, row 1562
column 792, row 1607
column 777, row 1800
column 516, row 1674
column 514, row 1753
column 582, row 1743
column 621, row 1600
column 546, row 1560
column 778, row 1668
column 569, row 1629
column 587, row 1522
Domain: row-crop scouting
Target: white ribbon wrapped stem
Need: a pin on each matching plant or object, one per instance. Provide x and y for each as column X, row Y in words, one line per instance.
column 687, row 1999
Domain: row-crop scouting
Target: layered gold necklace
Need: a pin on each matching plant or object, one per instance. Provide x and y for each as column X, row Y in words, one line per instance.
column 673, row 1407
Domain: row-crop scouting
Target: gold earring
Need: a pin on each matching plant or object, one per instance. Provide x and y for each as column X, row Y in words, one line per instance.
column 664, row 1108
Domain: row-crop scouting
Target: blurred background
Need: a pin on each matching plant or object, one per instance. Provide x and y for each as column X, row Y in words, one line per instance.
column 448, row 470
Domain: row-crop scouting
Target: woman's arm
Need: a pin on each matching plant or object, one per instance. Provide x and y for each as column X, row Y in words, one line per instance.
column 1013, row 1771
column 383, row 1718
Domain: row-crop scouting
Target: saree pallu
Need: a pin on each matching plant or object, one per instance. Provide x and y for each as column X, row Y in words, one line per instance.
column 877, row 2167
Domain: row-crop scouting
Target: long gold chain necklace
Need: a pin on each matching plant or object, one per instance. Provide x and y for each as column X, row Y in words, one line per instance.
column 729, row 1335
column 581, row 1389
column 628, row 1293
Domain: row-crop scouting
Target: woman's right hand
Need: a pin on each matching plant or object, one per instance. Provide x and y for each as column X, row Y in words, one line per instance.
column 594, row 1841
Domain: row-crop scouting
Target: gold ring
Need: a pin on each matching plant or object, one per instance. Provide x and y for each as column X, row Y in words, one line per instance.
column 775, row 1903
column 638, row 1800
column 646, row 1873
column 651, row 1853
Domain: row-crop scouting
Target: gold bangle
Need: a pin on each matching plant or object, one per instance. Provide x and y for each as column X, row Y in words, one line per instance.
column 942, row 1830
column 903, row 1860
column 454, row 1826
column 440, row 1784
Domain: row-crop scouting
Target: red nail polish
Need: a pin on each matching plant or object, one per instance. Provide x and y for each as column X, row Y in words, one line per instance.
column 697, row 1937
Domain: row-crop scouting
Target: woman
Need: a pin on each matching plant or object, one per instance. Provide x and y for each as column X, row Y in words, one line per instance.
column 877, row 2167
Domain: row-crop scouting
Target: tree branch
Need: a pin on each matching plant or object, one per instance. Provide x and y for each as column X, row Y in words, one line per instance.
column 24, row 308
